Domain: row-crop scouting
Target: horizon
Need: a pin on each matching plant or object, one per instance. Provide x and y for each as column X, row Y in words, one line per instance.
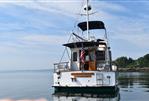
column 32, row 32
column 25, row 70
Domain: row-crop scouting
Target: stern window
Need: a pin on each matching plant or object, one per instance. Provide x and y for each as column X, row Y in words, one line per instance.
column 74, row 56
column 100, row 55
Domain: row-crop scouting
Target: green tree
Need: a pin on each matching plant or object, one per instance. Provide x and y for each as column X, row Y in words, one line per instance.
column 143, row 61
column 123, row 61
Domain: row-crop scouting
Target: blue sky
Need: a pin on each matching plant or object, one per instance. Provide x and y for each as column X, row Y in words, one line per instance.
column 32, row 31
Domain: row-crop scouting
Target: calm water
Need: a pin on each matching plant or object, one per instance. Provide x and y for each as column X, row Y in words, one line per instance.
column 134, row 86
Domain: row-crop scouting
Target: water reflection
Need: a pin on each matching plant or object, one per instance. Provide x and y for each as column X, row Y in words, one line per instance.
column 85, row 97
column 21, row 86
column 130, row 80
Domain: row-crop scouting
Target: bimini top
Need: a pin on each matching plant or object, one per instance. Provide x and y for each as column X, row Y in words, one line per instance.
column 83, row 44
column 92, row 25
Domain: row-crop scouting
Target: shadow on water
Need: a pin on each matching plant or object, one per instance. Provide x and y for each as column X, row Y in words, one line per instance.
column 85, row 97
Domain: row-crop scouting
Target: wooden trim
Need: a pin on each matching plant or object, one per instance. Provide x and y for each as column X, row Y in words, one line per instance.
column 82, row 74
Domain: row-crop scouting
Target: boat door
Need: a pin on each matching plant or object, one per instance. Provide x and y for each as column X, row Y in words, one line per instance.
column 92, row 62
column 75, row 60
column 99, row 78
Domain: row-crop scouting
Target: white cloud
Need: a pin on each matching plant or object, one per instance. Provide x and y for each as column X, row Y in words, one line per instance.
column 106, row 5
column 138, row 40
column 44, row 39
column 7, row 49
column 33, row 42
column 62, row 7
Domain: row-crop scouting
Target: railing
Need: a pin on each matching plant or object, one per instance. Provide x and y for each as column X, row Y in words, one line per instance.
column 103, row 67
column 62, row 66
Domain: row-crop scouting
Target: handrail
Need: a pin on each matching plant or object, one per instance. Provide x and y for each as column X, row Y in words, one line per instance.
column 60, row 63
column 62, row 66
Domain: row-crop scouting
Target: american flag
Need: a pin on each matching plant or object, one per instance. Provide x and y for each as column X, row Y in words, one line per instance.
column 82, row 56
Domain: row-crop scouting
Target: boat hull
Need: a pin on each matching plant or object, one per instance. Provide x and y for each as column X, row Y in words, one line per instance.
column 88, row 90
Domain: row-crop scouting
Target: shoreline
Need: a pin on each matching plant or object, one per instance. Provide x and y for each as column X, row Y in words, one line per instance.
column 143, row 69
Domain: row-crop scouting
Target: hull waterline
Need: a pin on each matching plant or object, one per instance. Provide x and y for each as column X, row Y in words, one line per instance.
column 88, row 90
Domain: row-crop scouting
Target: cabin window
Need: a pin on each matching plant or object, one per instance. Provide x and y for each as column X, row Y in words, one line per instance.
column 89, row 55
column 92, row 55
column 100, row 55
column 86, row 55
column 74, row 56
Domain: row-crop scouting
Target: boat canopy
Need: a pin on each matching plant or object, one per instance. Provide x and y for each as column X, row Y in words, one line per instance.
column 83, row 44
column 92, row 25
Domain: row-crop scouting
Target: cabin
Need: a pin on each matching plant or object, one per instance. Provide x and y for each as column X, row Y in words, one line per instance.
column 97, row 53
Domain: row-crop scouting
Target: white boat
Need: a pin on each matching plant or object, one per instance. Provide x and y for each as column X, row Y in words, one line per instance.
column 89, row 69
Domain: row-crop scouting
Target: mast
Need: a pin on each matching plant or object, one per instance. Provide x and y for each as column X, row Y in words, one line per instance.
column 87, row 18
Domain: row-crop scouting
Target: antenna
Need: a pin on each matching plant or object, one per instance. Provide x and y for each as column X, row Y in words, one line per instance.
column 88, row 36
column 87, row 8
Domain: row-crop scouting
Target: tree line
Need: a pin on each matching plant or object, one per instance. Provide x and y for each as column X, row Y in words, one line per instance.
column 128, row 62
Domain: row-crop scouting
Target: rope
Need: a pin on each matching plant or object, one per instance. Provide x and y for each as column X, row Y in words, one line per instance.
column 66, row 50
column 75, row 23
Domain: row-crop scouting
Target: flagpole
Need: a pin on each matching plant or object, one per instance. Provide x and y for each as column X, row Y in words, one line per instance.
column 82, row 57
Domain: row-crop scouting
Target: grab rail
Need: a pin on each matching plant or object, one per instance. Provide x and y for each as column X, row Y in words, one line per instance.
column 62, row 66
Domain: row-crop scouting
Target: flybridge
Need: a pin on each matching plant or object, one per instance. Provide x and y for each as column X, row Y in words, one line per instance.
column 84, row 44
column 91, row 25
